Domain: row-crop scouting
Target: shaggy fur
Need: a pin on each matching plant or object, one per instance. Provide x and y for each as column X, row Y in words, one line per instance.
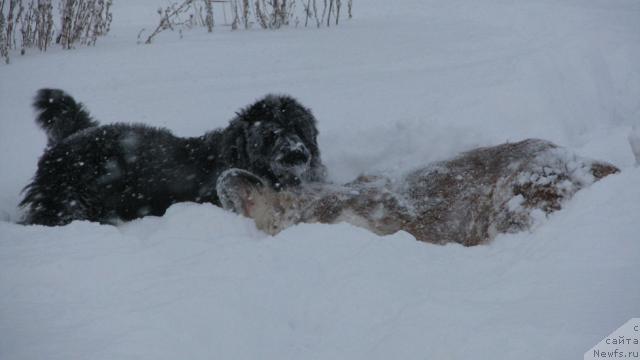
column 468, row 199
column 123, row 171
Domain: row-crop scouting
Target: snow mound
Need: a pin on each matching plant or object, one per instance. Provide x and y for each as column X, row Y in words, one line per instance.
column 201, row 282
column 404, row 83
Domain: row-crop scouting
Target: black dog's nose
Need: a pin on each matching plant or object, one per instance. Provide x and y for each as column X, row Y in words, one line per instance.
column 291, row 151
column 295, row 157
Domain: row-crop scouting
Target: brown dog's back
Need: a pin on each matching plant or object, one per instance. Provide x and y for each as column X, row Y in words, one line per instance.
column 468, row 199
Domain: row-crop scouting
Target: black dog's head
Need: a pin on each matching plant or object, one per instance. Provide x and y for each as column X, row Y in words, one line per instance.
column 276, row 138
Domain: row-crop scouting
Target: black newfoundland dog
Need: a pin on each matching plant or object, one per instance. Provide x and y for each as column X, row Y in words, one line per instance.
column 118, row 172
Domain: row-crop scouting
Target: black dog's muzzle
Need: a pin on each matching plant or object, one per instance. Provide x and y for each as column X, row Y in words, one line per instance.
column 291, row 152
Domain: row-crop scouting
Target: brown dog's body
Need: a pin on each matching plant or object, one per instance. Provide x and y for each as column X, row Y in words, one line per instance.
column 468, row 199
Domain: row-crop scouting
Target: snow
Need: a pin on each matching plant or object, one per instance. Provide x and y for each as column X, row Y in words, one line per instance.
column 398, row 86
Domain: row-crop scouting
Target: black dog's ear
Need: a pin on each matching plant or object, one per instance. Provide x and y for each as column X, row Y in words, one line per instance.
column 236, row 189
column 265, row 109
column 233, row 145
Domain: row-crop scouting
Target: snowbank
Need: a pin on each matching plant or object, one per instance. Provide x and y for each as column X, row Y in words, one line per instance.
column 202, row 283
column 396, row 87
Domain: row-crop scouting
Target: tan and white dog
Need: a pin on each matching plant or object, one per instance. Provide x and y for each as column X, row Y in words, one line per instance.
column 468, row 199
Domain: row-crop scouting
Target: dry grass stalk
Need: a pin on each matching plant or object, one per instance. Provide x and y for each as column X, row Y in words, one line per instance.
column 171, row 18
column 209, row 19
column 83, row 21
column 245, row 13
column 35, row 26
column 4, row 48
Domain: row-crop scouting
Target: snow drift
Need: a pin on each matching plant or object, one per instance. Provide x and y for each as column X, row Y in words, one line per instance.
column 401, row 84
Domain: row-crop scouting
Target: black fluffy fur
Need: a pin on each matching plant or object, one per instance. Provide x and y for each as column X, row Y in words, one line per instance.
column 120, row 172
column 59, row 115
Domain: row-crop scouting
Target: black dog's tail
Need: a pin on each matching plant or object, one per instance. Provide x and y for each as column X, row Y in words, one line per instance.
column 59, row 115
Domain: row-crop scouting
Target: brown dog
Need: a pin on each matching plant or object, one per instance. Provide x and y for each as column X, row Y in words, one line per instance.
column 468, row 199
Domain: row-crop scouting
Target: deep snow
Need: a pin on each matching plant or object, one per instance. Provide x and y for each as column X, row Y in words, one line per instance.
column 399, row 85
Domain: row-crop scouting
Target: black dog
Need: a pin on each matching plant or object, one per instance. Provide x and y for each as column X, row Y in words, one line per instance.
column 120, row 172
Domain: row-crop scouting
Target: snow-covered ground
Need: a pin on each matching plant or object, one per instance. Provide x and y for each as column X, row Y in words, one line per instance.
column 398, row 86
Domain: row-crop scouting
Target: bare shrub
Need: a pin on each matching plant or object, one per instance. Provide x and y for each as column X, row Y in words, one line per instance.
column 329, row 15
column 236, row 15
column 37, row 25
column 261, row 14
column 333, row 10
column 328, row 8
column 307, row 12
column 267, row 14
column 4, row 48
column 241, row 12
column 187, row 14
column 245, row 13
column 276, row 13
column 81, row 21
column 175, row 16
column 209, row 20
column 8, row 23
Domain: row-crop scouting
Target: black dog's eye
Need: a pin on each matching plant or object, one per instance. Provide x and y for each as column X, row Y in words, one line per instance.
column 262, row 140
column 269, row 137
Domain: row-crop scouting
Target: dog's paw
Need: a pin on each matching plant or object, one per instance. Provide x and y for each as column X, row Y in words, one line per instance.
column 236, row 187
